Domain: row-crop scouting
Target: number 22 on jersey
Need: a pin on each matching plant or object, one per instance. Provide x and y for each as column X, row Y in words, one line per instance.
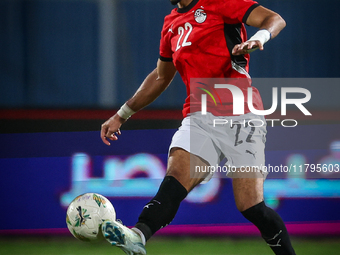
column 184, row 31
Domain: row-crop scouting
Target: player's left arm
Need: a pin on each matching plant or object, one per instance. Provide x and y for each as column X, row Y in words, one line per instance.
column 153, row 85
column 269, row 23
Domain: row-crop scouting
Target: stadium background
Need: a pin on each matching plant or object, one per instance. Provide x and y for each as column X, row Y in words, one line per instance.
column 67, row 65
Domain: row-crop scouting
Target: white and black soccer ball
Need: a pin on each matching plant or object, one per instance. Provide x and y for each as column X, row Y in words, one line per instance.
column 85, row 215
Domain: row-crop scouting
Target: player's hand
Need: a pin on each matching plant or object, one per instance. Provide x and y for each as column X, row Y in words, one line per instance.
column 247, row 47
column 111, row 128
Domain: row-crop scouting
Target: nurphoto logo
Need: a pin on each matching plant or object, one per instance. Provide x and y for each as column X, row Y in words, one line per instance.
column 238, row 99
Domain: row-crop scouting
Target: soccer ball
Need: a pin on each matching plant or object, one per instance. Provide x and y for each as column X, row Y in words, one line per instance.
column 85, row 215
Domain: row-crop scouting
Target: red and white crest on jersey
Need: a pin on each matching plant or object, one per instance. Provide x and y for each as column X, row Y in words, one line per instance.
column 200, row 16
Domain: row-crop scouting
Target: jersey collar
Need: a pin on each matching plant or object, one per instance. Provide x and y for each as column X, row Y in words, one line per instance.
column 188, row 7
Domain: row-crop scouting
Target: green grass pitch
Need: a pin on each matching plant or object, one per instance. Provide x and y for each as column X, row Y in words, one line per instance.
column 12, row 245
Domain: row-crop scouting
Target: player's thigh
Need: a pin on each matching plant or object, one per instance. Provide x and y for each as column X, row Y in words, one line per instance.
column 247, row 192
column 181, row 165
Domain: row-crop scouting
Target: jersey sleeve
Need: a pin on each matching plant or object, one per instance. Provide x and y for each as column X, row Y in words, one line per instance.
column 165, row 52
column 236, row 11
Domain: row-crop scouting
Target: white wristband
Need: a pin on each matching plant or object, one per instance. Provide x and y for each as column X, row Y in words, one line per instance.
column 125, row 111
column 262, row 35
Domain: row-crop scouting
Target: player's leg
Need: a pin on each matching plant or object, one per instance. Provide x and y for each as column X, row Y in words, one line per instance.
column 181, row 166
column 248, row 193
column 177, row 183
column 179, row 180
column 161, row 210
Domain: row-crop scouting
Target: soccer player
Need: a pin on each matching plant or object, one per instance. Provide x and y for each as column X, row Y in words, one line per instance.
column 204, row 39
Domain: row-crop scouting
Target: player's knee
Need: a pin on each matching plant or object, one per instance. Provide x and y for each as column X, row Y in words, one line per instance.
column 180, row 177
column 245, row 205
column 179, row 167
column 248, row 192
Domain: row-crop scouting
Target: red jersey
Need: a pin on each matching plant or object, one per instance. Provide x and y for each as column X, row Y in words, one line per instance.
column 199, row 39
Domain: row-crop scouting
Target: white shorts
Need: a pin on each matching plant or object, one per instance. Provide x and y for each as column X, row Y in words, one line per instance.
column 239, row 139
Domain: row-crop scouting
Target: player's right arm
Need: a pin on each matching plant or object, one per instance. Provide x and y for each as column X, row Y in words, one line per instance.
column 151, row 88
